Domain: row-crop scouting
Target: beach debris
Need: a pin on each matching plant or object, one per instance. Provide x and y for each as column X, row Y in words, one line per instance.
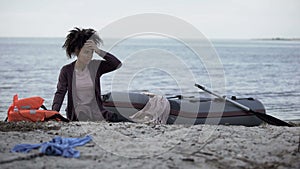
column 58, row 146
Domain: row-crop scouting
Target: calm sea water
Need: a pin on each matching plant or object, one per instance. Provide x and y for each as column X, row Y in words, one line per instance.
column 266, row 70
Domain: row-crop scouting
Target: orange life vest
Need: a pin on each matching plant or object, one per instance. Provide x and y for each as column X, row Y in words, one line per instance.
column 27, row 109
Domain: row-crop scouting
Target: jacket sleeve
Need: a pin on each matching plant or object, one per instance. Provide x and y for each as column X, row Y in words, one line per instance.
column 110, row 63
column 60, row 91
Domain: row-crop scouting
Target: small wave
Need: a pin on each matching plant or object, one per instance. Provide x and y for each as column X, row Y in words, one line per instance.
column 5, row 87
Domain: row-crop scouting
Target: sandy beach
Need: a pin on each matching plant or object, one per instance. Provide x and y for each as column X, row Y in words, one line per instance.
column 129, row 145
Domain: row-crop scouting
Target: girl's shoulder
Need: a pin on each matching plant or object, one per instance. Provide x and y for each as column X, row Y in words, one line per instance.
column 69, row 66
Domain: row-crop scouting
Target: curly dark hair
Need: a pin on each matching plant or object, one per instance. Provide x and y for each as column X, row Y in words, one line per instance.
column 76, row 39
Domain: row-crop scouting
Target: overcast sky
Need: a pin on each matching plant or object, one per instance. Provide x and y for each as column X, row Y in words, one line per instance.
column 214, row 18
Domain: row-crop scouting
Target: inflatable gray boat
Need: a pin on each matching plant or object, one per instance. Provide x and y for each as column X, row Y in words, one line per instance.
column 188, row 111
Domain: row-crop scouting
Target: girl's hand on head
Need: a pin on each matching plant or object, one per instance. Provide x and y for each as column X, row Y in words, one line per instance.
column 91, row 45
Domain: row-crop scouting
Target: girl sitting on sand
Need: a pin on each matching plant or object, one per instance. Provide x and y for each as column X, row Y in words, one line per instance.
column 81, row 78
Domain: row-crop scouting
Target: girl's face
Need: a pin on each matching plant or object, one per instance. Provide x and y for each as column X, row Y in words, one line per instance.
column 85, row 55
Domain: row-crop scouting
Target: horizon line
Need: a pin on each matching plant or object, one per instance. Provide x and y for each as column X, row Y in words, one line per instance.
column 59, row 37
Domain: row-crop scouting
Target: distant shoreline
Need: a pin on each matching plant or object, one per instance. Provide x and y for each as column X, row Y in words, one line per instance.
column 278, row 39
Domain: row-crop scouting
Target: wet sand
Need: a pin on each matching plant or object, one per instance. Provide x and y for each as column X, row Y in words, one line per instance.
column 129, row 145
